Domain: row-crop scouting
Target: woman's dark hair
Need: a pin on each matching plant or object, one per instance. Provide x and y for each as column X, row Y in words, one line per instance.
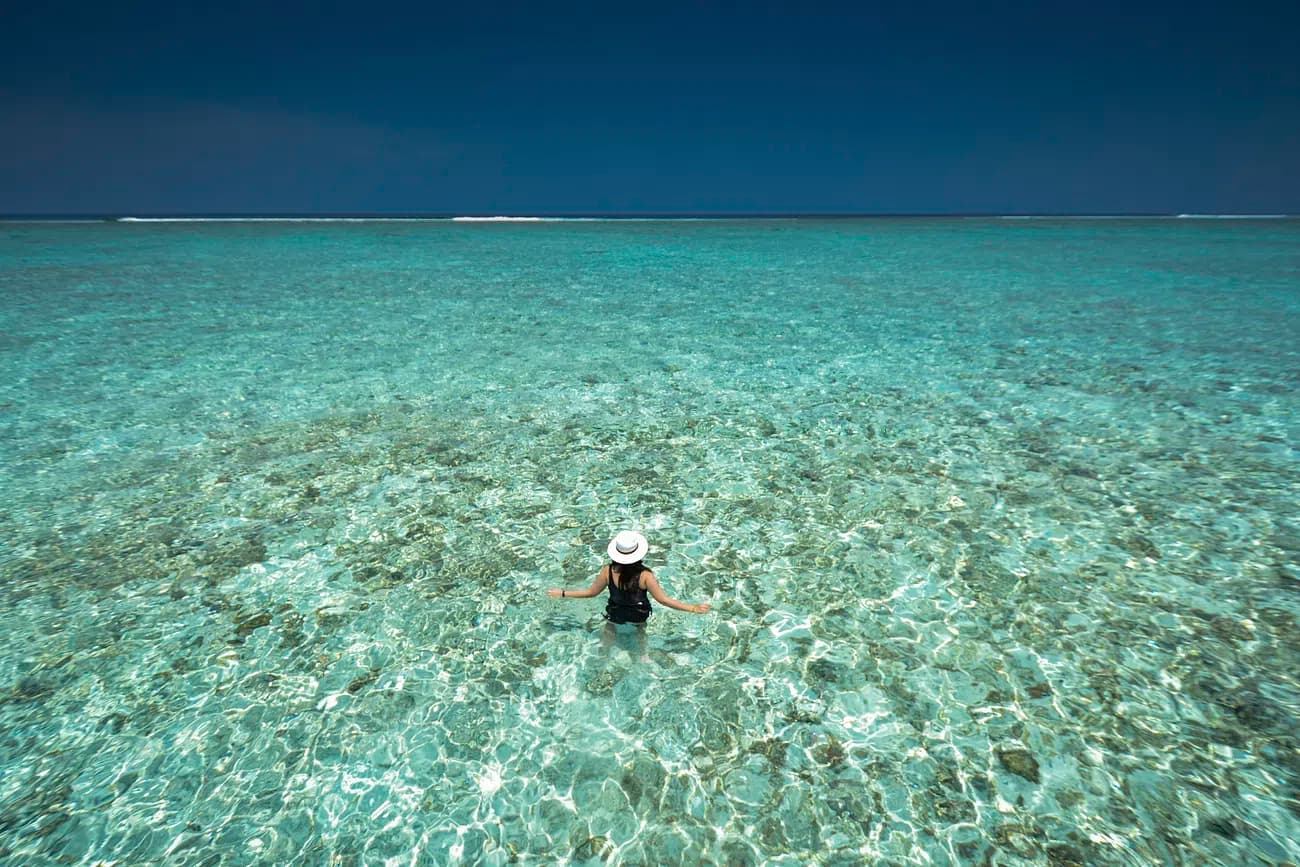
column 627, row 574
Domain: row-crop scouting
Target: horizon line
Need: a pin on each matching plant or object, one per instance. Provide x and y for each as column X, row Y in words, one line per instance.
column 271, row 216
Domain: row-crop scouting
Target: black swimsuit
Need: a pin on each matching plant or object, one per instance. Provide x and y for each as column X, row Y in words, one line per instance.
column 626, row 606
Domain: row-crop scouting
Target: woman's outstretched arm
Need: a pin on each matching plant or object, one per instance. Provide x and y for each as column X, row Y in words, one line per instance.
column 596, row 586
column 652, row 586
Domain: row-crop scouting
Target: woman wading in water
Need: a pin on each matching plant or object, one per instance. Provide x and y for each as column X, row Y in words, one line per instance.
column 630, row 585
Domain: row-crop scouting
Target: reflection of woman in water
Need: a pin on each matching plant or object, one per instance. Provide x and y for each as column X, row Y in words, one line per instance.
column 629, row 582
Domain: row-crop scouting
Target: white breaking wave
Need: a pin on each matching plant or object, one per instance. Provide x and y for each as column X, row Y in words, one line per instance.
column 496, row 219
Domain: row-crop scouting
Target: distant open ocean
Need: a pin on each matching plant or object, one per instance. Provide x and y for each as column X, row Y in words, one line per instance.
column 999, row 519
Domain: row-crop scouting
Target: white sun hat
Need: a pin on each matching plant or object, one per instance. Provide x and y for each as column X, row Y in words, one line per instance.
column 628, row 546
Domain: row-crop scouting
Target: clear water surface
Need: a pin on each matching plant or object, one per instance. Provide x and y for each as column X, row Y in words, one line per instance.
column 999, row 521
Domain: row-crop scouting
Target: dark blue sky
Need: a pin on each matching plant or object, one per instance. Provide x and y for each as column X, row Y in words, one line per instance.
column 504, row 107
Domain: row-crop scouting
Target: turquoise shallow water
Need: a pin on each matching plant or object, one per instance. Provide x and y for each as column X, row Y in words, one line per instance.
column 998, row 520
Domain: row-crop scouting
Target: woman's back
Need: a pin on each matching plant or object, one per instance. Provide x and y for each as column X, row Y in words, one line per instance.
column 628, row 602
